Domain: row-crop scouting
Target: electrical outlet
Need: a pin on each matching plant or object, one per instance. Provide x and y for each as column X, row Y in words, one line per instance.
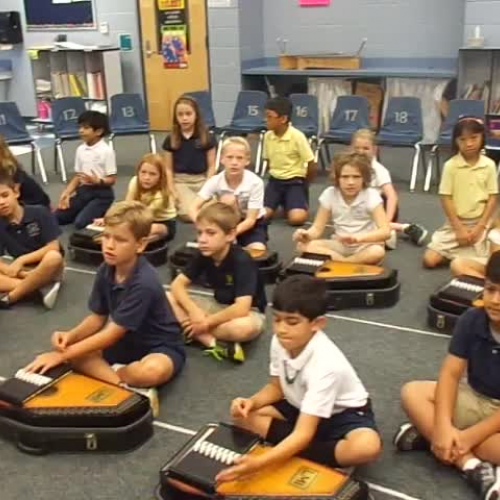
column 104, row 27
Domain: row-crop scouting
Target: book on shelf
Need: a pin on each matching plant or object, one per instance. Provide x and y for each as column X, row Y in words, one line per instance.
column 95, row 84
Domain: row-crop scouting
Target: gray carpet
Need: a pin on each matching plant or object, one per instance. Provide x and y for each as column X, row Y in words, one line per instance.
column 385, row 357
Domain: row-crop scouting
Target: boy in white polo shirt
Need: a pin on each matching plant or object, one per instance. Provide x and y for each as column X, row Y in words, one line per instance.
column 314, row 404
column 89, row 193
column 357, row 212
column 241, row 189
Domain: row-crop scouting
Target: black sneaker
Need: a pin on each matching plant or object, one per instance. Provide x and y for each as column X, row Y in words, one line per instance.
column 4, row 301
column 485, row 480
column 416, row 233
column 407, row 438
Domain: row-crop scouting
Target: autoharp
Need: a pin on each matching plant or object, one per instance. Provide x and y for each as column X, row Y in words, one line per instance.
column 192, row 470
column 66, row 411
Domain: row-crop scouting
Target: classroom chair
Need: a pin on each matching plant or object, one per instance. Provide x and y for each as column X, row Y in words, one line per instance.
column 351, row 113
column 65, row 113
column 204, row 100
column 128, row 117
column 457, row 109
column 14, row 130
column 402, row 128
column 305, row 117
column 248, row 118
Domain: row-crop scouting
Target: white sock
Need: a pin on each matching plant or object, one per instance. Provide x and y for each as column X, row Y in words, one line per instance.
column 472, row 463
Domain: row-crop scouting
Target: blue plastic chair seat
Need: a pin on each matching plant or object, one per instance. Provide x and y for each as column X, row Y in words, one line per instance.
column 308, row 131
column 395, row 139
column 19, row 140
column 140, row 129
column 342, row 136
column 67, row 136
column 243, row 129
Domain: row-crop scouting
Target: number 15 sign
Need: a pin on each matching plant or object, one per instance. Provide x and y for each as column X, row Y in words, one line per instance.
column 313, row 3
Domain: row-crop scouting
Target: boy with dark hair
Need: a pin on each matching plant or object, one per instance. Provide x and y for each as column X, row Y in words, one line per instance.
column 131, row 325
column 291, row 163
column 314, row 404
column 236, row 312
column 30, row 235
column 458, row 418
column 89, row 193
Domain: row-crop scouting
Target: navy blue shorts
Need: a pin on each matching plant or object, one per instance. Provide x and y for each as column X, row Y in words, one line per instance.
column 330, row 430
column 171, row 225
column 289, row 193
column 123, row 353
column 258, row 234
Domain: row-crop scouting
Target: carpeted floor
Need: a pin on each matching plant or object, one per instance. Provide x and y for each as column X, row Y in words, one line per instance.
column 387, row 346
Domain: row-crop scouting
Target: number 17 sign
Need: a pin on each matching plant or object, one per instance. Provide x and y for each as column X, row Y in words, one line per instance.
column 313, row 3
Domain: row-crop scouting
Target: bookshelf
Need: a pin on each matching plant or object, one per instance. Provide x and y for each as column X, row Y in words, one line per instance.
column 479, row 77
column 91, row 73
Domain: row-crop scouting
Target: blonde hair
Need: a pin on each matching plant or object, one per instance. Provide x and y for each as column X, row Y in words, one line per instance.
column 364, row 133
column 221, row 214
column 162, row 187
column 138, row 217
column 237, row 141
column 8, row 162
column 359, row 161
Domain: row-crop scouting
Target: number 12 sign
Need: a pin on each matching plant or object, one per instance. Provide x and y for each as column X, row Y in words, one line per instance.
column 313, row 3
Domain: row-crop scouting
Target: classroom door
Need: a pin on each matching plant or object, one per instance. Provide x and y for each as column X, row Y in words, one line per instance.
column 175, row 59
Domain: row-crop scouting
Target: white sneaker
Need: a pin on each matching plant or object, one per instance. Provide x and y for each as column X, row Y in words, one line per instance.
column 392, row 242
column 49, row 294
column 152, row 394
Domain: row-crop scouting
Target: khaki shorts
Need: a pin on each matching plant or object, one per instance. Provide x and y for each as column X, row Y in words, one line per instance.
column 187, row 187
column 472, row 407
column 337, row 246
column 444, row 242
column 211, row 306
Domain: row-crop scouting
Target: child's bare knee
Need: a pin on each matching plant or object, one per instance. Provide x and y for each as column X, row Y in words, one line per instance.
column 410, row 392
column 370, row 446
column 297, row 217
column 432, row 259
column 53, row 258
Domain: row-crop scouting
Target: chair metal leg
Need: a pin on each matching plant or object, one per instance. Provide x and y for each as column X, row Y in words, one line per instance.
column 55, row 156
column 429, row 171
column 219, row 150
column 60, row 155
column 33, row 159
column 258, row 158
column 263, row 168
column 36, row 151
column 414, row 169
column 110, row 141
column 152, row 143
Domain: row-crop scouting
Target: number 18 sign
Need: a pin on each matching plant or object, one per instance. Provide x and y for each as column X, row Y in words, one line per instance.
column 313, row 3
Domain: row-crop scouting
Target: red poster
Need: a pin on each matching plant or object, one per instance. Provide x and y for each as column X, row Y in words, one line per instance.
column 314, row 3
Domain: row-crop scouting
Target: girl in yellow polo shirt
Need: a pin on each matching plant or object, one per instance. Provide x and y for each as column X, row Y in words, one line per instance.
column 468, row 191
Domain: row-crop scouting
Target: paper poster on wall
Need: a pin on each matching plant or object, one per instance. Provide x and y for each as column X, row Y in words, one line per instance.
column 314, row 3
column 174, row 33
column 174, row 47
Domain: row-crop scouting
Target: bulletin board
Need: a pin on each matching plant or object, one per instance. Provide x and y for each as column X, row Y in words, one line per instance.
column 60, row 14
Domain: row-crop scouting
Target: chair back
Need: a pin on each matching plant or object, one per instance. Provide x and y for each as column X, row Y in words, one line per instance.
column 12, row 125
column 204, row 100
column 128, row 115
column 65, row 113
column 403, row 123
column 351, row 113
column 457, row 109
column 249, row 110
column 305, row 115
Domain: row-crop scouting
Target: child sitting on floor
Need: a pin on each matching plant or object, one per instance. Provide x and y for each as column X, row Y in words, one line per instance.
column 457, row 417
column 469, row 192
column 236, row 312
column 240, row 188
column 131, row 323
column 149, row 186
column 363, row 142
column 89, row 193
column 314, row 404
column 359, row 220
column 29, row 234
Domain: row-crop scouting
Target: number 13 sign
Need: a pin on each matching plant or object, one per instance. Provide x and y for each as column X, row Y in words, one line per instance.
column 313, row 3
